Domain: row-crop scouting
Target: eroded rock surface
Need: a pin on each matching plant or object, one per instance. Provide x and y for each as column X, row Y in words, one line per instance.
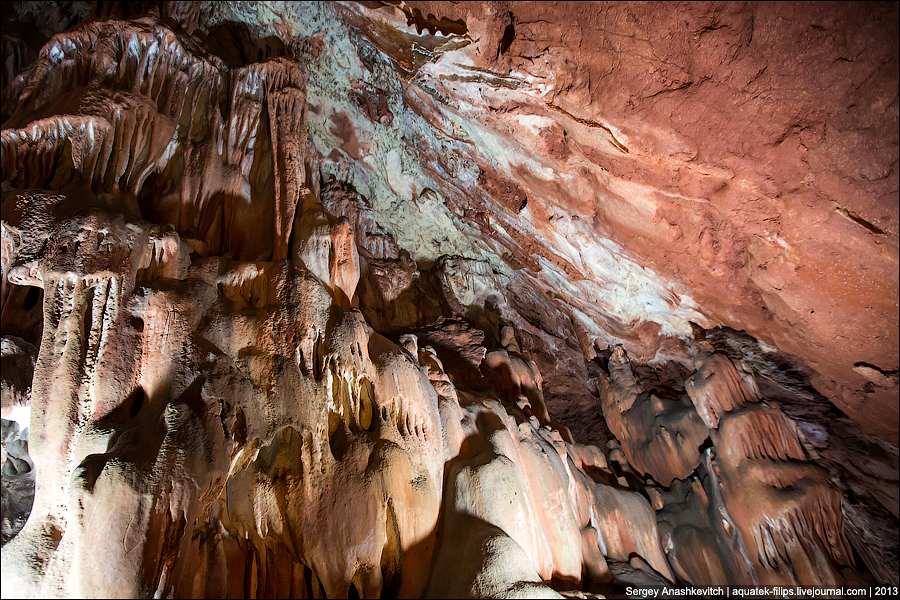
column 660, row 438
column 330, row 300
column 754, row 509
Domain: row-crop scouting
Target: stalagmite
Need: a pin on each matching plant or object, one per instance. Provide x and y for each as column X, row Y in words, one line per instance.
column 659, row 438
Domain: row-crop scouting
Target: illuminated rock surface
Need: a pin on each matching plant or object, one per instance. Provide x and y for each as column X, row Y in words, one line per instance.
column 474, row 299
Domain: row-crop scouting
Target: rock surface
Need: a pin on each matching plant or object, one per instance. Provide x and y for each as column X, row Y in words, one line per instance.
column 342, row 299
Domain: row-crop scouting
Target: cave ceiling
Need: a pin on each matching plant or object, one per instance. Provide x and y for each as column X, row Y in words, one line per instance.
column 634, row 169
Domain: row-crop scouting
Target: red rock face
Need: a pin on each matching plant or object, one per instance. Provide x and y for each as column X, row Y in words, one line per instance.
column 746, row 152
column 330, row 299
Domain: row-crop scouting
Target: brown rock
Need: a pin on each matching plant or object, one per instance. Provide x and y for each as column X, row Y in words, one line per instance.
column 659, row 438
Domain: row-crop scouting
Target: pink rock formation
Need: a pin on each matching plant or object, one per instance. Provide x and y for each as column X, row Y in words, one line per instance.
column 719, row 386
column 704, row 140
column 517, row 379
column 759, row 511
column 659, row 438
column 308, row 299
column 689, row 539
column 778, row 505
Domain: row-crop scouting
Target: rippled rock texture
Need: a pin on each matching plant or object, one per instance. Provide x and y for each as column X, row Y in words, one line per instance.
column 447, row 300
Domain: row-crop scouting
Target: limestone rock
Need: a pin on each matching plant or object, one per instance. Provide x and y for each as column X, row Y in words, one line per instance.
column 659, row 438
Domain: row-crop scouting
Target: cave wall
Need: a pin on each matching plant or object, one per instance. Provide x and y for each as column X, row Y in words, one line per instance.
column 447, row 299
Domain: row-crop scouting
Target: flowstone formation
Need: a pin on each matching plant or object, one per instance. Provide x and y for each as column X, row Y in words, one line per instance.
column 765, row 514
column 292, row 307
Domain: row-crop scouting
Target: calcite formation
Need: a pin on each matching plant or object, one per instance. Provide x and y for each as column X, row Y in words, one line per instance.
column 659, row 438
column 759, row 511
column 786, row 511
column 442, row 299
